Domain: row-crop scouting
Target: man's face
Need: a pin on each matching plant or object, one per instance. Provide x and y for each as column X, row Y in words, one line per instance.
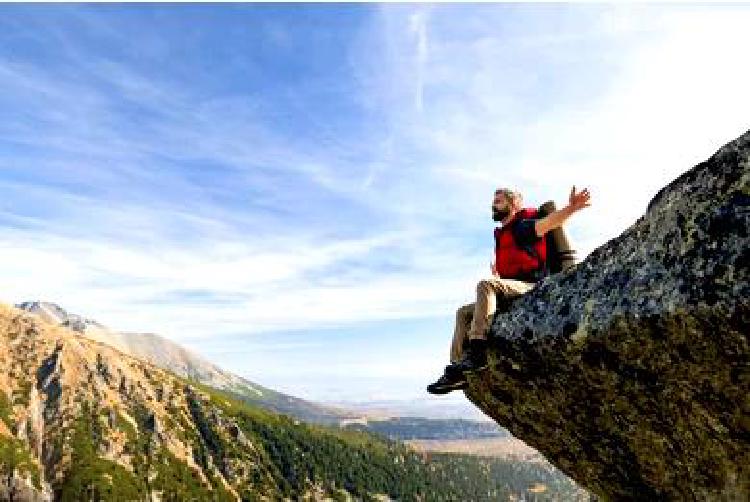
column 501, row 207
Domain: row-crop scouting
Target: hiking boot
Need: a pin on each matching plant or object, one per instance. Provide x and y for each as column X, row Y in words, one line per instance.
column 451, row 380
column 474, row 357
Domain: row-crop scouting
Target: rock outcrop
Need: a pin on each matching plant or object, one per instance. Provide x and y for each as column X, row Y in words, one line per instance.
column 631, row 372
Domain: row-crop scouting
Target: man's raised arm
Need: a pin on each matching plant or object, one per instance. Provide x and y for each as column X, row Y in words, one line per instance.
column 576, row 202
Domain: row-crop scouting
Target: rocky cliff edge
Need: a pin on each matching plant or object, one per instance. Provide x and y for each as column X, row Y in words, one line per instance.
column 630, row 372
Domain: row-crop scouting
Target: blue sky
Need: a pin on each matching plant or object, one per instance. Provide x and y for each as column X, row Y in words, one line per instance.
column 301, row 193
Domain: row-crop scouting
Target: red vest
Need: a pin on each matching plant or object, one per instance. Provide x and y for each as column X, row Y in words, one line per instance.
column 514, row 262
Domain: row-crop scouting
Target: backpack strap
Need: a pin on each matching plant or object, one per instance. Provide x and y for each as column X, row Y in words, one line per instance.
column 541, row 271
column 542, row 266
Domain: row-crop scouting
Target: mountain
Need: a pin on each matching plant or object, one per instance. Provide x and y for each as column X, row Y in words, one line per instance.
column 173, row 357
column 631, row 372
column 385, row 417
column 81, row 420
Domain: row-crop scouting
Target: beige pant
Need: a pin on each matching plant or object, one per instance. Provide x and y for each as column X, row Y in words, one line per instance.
column 473, row 320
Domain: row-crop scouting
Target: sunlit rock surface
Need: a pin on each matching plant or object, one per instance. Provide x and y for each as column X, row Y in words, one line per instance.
column 630, row 372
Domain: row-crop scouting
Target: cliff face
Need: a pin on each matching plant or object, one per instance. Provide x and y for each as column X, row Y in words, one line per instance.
column 631, row 372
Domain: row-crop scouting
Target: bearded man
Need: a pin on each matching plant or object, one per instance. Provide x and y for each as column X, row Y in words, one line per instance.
column 520, row 262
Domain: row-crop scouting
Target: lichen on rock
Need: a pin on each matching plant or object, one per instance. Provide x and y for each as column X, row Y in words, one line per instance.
column 631, row 371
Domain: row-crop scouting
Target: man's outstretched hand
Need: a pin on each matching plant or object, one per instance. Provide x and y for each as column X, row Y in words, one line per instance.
column 578, row 201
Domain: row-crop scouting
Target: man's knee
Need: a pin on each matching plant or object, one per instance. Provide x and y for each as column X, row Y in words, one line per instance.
column 465, row 311
column 469, row 307
column 506, row 295
column 510, row 288
column 485, row 287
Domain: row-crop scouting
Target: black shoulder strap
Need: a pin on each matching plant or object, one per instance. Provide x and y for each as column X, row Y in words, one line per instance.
column 541, row 265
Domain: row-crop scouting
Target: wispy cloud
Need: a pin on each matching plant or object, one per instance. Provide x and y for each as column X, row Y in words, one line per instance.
column 254, row 174
column 194, row 193
column 621, row 99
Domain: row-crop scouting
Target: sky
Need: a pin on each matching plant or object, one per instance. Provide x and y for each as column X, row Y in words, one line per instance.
column 301, row 193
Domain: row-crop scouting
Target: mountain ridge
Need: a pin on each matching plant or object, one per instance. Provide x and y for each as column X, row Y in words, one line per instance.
column 172, row 356
column 81, row 420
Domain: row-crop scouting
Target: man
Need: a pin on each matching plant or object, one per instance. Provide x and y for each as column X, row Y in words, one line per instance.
column 520, row 262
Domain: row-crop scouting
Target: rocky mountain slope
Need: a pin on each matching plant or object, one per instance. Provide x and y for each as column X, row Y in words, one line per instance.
column 169, row 355
column 81, row 420
column 62, row 391
column 631, row 372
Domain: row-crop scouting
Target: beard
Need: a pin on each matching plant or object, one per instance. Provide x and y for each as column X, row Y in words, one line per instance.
column 500, row 215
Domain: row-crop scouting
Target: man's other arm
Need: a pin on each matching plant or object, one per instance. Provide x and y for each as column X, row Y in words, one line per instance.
column 576, row 202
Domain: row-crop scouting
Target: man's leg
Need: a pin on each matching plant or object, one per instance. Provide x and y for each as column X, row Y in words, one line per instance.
column 452, row 379
column 463, row 323
column 486, row 305
column 475, row 355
